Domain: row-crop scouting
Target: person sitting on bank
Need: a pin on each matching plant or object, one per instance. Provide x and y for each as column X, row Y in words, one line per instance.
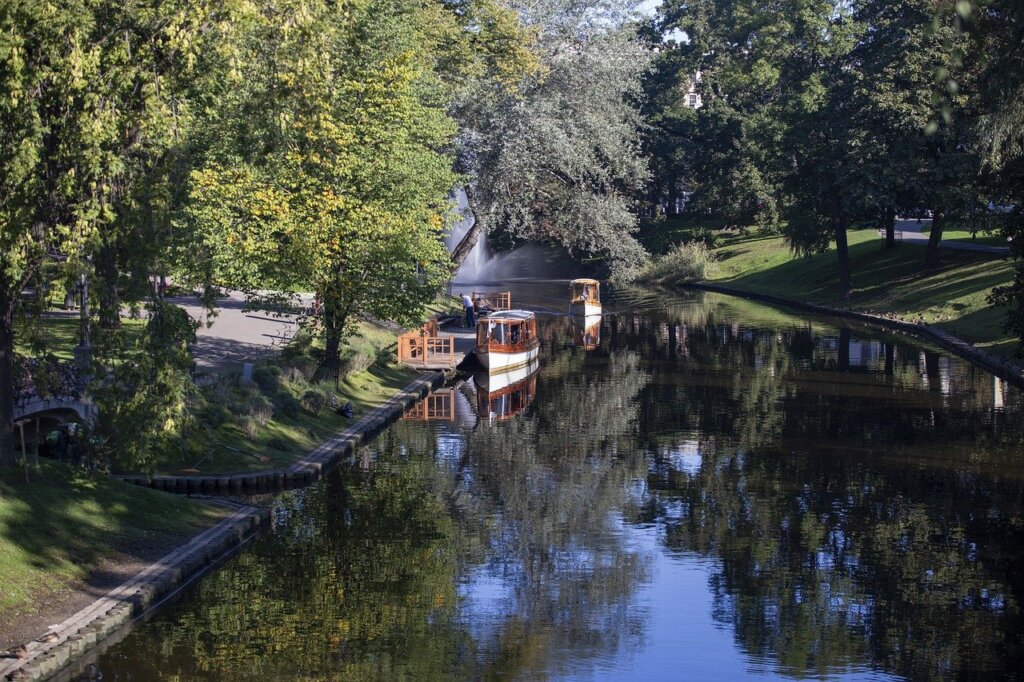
column 467, row 303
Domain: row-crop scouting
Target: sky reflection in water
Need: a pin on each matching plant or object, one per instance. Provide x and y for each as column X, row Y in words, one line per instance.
column 716, row 491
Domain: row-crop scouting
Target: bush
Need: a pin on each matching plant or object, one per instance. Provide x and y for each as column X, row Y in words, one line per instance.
column 260, row 409
column 314, row 400
column 248, row 426
column 279, row 443
column 690, row 262
column 292, row 375
column 268, row 378
column 215, row 414
column 355, row 361
column 304, row 365
column 286, row 404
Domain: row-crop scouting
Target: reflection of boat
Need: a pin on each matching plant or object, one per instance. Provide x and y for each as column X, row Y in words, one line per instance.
column 586, row 331
column 585, row 297
column 507, row 340
column 503, row 395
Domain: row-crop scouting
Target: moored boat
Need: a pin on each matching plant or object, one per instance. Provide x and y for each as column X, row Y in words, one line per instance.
column 585, row 297
column 507, row 339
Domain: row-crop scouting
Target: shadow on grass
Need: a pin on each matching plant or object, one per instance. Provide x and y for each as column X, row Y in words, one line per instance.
column 62, row 526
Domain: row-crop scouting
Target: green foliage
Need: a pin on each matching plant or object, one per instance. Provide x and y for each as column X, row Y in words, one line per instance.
column 268, row 378
column 560, row 159
column 347, row 178
column 144, row 400
column 314, row 400
column 689, row 262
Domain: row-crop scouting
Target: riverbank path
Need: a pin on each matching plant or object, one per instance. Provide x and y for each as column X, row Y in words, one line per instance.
column 913, row 233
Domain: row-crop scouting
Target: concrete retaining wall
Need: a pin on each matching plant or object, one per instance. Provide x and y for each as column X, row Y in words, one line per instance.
column 312, row 466
column 67, row 642
column 993, row 363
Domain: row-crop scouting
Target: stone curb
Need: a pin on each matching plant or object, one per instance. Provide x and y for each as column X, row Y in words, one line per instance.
column 84, row 630
column 993, row 363
column 309, row 468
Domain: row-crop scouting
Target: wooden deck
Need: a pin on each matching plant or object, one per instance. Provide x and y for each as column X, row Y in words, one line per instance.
column 444, row 351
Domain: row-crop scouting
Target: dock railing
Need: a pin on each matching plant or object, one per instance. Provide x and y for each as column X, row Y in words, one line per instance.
column 495, row 300
column 424, row 348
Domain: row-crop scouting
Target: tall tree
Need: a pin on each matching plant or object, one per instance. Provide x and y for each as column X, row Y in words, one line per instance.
column 561, row 157
column 331, row 173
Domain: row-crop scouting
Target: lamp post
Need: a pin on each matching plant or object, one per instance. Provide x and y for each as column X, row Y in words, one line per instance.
column 83, row 352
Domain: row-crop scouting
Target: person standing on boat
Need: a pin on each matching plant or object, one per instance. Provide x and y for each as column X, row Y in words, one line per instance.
column 467, row 303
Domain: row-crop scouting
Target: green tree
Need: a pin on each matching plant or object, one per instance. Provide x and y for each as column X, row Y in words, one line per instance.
column 560, row 158
column 330, row 171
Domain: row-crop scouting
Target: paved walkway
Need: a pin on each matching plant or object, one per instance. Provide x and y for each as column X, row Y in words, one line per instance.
column 912, row 233
column 235, row 336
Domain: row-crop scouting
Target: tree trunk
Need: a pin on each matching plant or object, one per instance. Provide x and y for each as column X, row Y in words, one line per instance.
column 7, row 457
column 465, row 246
column 109, row 300
column 842, row 247
column 931, row 255
column 889, row 218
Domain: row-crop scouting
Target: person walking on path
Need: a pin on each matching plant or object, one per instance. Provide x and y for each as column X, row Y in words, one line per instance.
column 467, row 303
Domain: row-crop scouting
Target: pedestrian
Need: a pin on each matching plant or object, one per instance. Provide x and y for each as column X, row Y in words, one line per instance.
column 467, row 303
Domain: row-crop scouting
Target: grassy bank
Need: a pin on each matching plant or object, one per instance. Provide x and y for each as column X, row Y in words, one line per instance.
column 61, row 527
column 886, row 281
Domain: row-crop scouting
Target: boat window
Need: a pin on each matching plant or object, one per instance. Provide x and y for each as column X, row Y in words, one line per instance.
column 498, row 333
column 515, row 333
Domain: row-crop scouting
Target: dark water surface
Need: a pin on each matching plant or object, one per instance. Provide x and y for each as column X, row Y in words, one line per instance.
column 716, row 490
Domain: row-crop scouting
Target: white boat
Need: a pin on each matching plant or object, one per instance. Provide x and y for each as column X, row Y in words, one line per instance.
column 584, row 297
column 507, row 340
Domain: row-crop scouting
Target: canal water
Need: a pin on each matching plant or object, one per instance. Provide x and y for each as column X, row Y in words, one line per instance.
column 693, row 488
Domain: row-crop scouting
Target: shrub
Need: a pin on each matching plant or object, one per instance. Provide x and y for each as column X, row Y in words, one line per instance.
column 215, row 414
column 260, row 409
column 691, row 262
column 286, row 404
column 314, row 400
column 355, row 361
column 279, row 443
column 268, row 378
column 304, row 365
column 292, row 375
column 248, row 426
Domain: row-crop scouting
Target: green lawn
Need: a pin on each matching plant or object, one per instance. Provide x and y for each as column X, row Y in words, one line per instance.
column 60, row 525
column 892, row 281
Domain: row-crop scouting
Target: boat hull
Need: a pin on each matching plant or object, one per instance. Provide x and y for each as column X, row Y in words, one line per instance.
column 584, row 309
column 501, row 361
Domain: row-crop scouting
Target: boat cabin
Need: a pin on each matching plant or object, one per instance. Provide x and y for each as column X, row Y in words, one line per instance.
column 507, row 331
column 585, row 291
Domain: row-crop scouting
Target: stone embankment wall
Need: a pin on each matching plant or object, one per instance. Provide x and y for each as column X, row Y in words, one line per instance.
column 993, row 363
column 66, row 642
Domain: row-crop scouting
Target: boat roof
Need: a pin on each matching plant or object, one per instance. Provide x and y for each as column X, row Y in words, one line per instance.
column 584, row 280
column 510, row 316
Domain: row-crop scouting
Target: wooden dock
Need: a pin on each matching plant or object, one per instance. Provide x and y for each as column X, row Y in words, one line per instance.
column 444, row 349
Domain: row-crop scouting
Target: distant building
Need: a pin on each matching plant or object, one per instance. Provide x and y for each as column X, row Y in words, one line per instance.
column 692, row 98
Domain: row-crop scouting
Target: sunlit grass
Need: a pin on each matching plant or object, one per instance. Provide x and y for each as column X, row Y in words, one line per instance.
column 889, row 281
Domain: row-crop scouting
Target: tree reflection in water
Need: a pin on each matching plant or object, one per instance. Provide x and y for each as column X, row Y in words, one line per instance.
column 859, row 499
